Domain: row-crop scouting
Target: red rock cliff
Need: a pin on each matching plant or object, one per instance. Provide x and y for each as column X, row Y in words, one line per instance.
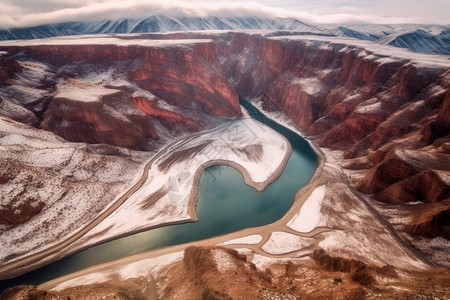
column 82, row 112
column 8, row 67
column 184, row 75
column 372, row 106
column 389, row 113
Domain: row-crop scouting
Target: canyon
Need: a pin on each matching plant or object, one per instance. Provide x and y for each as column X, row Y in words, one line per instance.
column 389, row 115
column 385, row 110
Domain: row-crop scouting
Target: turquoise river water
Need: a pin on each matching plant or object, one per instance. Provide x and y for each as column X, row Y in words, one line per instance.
column 225, row 205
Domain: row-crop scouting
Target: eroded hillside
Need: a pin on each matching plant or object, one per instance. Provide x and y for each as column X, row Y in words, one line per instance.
column 385, row 112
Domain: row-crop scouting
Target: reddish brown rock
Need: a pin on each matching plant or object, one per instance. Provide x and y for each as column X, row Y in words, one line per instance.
column 353, row 129
column 82, row 112
column 17, row 112
column 189, row 82
column 372, row 107
column 8, row 68
column 412, row 80
column 169, row 118
column 400, row 164
column 185, row 75
column 435, row 130
column 14, row 215
column 444, row 112
column 427, row 186
column 428, row 219
column 393, row 169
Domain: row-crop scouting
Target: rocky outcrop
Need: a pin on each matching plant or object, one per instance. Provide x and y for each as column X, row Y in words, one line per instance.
column 390, row 115
column 17, row 112
column 83, row 112
column 444, row 112
column 13, row 215
column 179, row 83
column 388, row 112
column 8, row 68
column 170, row 119
column 428, row 185
column 427, row 220
column 359, row 271
column 329, row 278
column 183, row 74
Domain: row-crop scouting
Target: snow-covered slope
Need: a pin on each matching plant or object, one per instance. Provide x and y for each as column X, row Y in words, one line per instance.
column 419, row 38
column 156, row 24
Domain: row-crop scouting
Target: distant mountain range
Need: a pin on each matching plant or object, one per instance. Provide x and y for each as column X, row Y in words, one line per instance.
column 433, row 39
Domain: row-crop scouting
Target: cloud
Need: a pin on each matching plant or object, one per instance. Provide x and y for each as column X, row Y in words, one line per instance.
column 25, row 13
column 18, row 16
column 33, row 6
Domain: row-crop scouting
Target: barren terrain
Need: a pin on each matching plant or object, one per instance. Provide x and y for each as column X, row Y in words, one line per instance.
column 372, row 222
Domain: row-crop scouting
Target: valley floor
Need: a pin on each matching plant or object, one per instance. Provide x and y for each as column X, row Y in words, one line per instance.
column 328, row 215
column 329, row 220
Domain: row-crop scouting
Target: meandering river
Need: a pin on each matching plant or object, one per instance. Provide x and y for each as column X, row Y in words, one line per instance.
column 225, row 205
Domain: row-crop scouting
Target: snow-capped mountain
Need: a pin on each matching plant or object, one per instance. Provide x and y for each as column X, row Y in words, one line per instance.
column 420, row 40
column 433, row 39
column 156, row 24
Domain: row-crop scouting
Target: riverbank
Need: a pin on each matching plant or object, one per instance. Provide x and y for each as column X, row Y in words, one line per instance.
column 344, row 226
column 152, row 202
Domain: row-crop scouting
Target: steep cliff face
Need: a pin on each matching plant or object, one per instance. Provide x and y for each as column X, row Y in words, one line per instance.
column 82, row 112
column 388, row 111
column 183, row 73
column 8, row 67
column 173, row 85
column 171, row 120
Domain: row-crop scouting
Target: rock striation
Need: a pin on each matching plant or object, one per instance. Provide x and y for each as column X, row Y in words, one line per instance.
column 387, row 111
column 82, row 112
column 122, row 91
column 8, row 67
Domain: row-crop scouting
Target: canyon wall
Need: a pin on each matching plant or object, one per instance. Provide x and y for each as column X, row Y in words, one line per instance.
column 142, row 90
column 185, row 75
column 387, row 110
column 8, row 67
column 387, row 113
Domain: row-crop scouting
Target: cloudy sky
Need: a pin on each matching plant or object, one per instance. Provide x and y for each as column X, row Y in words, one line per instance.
column 22, row 13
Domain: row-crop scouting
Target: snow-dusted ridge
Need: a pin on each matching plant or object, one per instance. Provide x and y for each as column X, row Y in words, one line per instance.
column 102, row 40
column 256, row 150
column 419, row 38
column 383, row 52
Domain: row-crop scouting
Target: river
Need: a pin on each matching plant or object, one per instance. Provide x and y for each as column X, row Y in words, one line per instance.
column 225, row 205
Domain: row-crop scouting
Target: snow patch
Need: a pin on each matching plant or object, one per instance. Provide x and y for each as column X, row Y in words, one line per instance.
column 223, row 260
column 308, row 217
column 248, row 240
column 101, row 40
column 311, row 86
column 132, row 270
column 283, row 242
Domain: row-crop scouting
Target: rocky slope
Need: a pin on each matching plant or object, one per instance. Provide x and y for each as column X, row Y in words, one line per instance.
column 8, row 67
column 386, row 110
column 50, row 185
column 82, row 112
column 223, row 274
column 124, row 92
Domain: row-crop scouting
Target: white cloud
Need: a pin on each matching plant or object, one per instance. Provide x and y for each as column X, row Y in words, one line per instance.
column 22, row 13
